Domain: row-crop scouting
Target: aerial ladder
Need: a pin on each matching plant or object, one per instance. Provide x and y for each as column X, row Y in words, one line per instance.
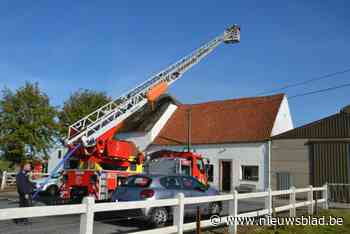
column 92, row 135
column 89, row 128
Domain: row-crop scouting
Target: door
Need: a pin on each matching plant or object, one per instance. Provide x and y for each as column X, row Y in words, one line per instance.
column 172, row 185
column 225, row 176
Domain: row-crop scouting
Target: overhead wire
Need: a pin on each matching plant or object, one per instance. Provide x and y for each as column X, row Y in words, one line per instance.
column 292, row 85
column 320, row 91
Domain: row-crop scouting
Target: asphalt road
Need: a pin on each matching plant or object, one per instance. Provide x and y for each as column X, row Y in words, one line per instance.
column 105, row 223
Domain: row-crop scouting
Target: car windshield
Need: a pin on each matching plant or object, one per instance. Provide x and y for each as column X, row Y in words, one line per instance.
column 138, row 181
column 55, row 176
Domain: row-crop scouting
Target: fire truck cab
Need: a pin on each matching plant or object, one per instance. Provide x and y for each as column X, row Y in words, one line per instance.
column 175, row 162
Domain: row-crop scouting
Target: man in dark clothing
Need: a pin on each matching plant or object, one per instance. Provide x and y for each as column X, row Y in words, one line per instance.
column 24, row 189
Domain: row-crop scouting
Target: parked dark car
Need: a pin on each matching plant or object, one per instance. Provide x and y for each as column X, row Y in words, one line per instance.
column 153, row 187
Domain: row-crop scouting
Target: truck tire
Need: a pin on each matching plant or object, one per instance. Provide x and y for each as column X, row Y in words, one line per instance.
column 159, row 217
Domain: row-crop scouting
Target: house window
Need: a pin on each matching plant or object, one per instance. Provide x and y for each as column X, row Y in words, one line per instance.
column 250, row 173
column 210, row 172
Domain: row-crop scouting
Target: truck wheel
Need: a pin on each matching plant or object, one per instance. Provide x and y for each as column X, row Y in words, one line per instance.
column 215, row 208
column 159, row 217
column 52, row 190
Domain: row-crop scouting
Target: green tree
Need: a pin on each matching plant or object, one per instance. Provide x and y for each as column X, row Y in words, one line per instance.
column 78, row 105
column 28, row 123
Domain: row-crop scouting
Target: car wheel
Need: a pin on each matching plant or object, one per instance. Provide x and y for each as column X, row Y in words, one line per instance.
column 52, row 190
column 159, row 217
column 215, row 208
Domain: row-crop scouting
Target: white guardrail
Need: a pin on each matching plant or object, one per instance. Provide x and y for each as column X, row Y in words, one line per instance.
column 9, row 178
column 88, row 207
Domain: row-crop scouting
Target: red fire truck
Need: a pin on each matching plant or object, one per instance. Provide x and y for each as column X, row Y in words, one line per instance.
column 98, row 161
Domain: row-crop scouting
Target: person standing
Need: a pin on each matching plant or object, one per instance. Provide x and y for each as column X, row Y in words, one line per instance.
column 24, row 189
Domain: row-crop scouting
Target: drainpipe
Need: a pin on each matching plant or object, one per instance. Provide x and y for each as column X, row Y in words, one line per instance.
column 189, row 129
column 269, row 164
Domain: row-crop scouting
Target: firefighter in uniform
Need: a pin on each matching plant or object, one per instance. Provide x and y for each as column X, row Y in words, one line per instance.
column 24, row 189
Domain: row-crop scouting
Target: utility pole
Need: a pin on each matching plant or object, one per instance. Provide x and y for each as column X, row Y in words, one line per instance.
column 189, row 129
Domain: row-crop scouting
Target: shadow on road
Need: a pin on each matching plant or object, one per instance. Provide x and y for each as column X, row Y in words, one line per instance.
column 119, row 219
column 50, row 200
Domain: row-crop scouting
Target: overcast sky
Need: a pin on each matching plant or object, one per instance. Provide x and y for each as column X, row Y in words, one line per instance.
column 113, row 45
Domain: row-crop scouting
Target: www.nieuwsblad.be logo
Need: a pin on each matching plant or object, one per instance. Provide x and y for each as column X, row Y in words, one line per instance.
column 276, row 221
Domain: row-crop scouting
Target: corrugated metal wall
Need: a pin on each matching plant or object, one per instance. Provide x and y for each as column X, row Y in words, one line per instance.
column 334, row 126
column 329, row 151
column 330, row 162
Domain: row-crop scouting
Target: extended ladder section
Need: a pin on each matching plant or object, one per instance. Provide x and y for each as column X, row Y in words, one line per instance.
column 110, row 115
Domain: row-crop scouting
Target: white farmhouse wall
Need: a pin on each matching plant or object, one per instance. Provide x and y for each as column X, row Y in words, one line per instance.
column 240, row 154
column 283, row 121
column 143, row 139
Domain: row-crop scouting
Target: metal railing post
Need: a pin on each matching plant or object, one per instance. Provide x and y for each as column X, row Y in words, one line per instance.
column 3, row 180
column 87, row 219
column 325, row 196
column 292, row 211
column 233, row 212
column 179, row 213
column 310, row 198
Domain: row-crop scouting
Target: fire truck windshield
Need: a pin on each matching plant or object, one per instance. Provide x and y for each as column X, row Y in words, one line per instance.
column 200, row 165
column 186, row 170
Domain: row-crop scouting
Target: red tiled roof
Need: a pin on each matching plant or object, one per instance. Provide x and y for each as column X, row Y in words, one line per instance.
column 237, row 120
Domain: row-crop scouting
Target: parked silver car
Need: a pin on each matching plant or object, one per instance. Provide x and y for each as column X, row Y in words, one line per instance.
column 50, row 186
column 152, row 187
